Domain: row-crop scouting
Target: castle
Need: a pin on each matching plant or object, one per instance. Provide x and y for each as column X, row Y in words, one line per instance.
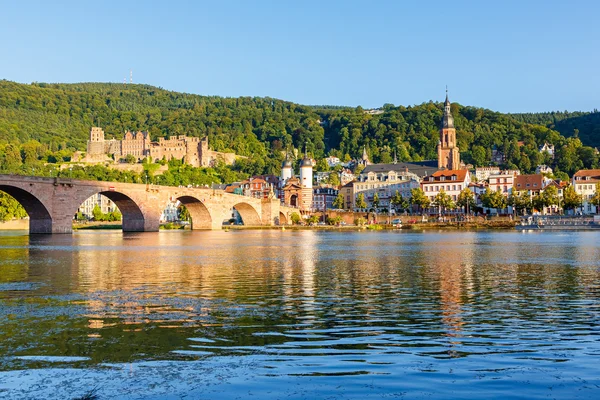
column 192, row 150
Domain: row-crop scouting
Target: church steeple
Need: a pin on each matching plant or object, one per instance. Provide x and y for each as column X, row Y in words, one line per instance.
column 447, row 120
column 448, row 153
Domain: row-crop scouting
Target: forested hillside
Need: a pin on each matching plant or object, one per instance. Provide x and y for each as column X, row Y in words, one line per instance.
column 582, row 125
column 47, row 122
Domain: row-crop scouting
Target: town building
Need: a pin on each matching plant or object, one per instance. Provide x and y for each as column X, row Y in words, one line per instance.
column 503, row 181
column 257, row 188
column 332, row 161
column 384, row 180
column 170, row 213
column 547, row 148
column 543, row 169
column 323, row 198
column 347, row 191
column 452, row 182
column 483, row 173
column 584, row 182
column 533, row 184
column 448, row 152
column 87, row 207
column 346, row 176
column 192, row 150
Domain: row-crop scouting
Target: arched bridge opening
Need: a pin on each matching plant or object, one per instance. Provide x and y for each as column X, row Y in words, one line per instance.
column 132, row 216
column 248, row 214
column 40, row 220
column 199, row 214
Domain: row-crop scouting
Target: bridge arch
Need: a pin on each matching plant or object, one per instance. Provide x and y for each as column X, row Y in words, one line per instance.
column 282, row 219
column 201, row 218
column 250, row 216
column 132, row 216
column 40, row 220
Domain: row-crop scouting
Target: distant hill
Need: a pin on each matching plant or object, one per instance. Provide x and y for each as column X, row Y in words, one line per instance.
column 584, row 125
column 59, row 117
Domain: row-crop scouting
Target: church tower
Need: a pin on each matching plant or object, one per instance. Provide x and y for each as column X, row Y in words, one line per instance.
column 448, row 154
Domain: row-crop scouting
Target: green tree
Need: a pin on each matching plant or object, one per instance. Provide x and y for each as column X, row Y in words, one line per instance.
column 183, row 214
column 130, row 159
column 360, row 202
column 333, row 179
column 338, row 202
column 520, row 200
column 375, row 202
column 493, row 199
column 571, row 199
column 313, row 219
column 295, row 218
column 443, row 201
column 466, row 200
column 97, row 213
column 418, row 197
column 550, row 196
column 398, row 202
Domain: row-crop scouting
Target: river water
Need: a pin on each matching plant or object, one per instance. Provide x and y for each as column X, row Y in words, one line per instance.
column 300, row 315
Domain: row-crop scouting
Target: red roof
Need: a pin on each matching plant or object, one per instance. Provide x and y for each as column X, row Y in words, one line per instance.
column 460, row 174
column 529, row 182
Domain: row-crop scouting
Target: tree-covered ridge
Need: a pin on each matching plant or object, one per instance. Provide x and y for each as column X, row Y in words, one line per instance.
column 51, row 120
column 579, row 124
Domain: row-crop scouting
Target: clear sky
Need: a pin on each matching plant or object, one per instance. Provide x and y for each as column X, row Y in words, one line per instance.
column 509, row 56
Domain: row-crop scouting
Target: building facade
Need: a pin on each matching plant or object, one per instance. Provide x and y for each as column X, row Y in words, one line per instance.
column 584, row 182
column 323, row 198
column 192, row 150
column 452, row 182
column 371, row 181
column 503, row 182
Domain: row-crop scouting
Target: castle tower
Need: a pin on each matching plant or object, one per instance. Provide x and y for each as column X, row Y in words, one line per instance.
column 448, row 153
column 286, row 169
column 306, row 172
column 95, row 144
column 306, row 179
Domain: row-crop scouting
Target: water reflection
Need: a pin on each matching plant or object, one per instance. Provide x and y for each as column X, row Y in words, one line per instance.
column 305, row 303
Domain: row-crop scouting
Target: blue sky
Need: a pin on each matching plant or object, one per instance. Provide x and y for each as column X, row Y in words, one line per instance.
column 509, row 56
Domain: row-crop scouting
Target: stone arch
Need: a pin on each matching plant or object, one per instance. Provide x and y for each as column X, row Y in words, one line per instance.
column 282, row 219
column 133, row 217
column 40, row 220
column 249, row 215
column 201, row 218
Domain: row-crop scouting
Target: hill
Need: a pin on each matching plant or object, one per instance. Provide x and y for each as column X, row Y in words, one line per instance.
column 47, row 122
column 582, row 125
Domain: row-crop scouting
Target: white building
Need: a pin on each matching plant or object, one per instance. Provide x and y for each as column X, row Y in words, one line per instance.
column 543, row 169
column 584, row 182
column 451, row 181
column 547, row 148
column 483, row 173
column 385, row 184
column 170, row 214
column 503, row 181
column 332, row 161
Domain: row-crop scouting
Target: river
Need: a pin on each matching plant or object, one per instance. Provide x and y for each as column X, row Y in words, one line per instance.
column 272, row 314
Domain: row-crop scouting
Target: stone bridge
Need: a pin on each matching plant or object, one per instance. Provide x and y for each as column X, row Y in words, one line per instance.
column 51, row 203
